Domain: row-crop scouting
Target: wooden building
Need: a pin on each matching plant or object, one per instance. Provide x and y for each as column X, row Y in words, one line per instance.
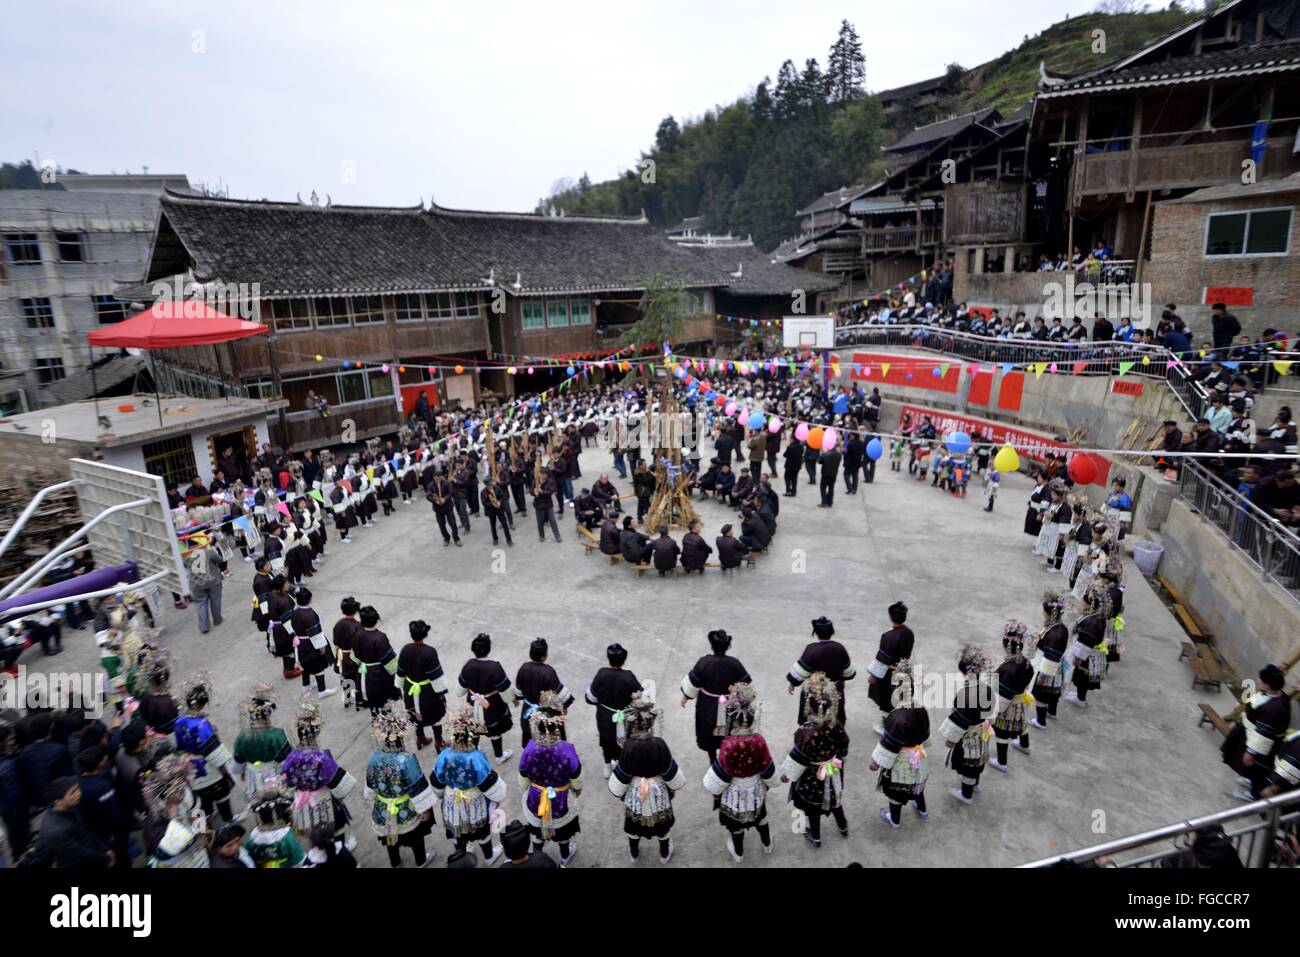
column 410, row 287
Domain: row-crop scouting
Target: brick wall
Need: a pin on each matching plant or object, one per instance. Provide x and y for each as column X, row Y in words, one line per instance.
column 1179, row 272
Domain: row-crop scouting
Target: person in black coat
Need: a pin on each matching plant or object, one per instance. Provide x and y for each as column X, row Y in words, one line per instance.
column 42, row 761
column 725, row 446
column 376, row 662
column 484, row 684
column 314, row 651
column 609, row 537
column 64, row 832
column 100, row 807
column 423, row 686
column 731, row 551
column 643, row 484
column 611, row 692
column 665, row 551
column 810, row 456
column 695, row 550
column 895, row 645
column 827, row 656
column 754, row 532
column 793, row 457
column 636, row 548
column 773, row 446
column 830, row 462
column 855, row 451
column 709, row 682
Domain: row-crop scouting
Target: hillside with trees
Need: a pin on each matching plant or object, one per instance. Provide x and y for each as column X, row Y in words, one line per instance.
column 748, row 166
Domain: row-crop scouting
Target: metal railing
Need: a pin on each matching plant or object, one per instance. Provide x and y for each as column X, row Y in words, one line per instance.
column 1252, row 828
column 1270, row 546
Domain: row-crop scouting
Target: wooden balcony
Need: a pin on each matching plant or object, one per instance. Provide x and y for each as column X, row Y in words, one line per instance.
column 1175, row 167
column 308, row 430
column 900, row 238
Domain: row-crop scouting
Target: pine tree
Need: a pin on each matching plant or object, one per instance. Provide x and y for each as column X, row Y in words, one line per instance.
column 846, row 70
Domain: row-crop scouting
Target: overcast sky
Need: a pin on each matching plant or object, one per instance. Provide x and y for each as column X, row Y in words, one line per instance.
column 480, row 104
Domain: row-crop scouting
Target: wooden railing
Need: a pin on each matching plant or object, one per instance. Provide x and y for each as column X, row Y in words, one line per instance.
column 1175, row 167
column 352, row 421
column 895, row 238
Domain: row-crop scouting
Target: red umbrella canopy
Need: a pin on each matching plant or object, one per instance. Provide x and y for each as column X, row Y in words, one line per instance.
column 168, row 324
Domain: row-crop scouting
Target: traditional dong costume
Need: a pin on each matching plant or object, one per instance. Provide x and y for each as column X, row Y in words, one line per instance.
column 197, row 739
column 271, row 842
column 1049, row 660
column 1263, row 726
column 644, row 779
column 815, row 765
column 967, row 730
column 484, row 684
column 260, row 748
column 175, row 840
column 900, row 755
column 739, row 776
column 895, row 646
column 423, row 685
column 611, row 691
column 320, row 786
column 550, row 773
column 1088, row 649
column 708, row 683
column 464, row 781
column 827, row 656
column 1015, row 701
column 401, row 801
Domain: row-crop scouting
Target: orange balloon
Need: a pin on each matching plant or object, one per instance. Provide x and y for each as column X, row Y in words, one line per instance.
column 815, row 438
column 459, row 369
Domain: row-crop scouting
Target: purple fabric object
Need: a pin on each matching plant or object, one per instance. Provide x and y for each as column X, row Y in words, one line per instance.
column 552, row 766
column 81, row 584
column 310, row 769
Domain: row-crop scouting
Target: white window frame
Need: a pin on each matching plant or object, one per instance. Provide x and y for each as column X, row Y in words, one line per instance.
column 1245, row 238
column 363, row 306
column 41, row 310
column 275, row 321
column 409, row 299
column 22, row 238
column 523, row 314
column 336, row 303
column 586, row 302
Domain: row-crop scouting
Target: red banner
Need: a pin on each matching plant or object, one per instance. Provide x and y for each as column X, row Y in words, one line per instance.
column 1121, row 387
column 1229, row 295
column 912, row 372
column 1033, row 445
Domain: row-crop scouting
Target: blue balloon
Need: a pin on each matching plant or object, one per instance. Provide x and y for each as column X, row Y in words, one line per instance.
column 936, row 373
column 569, row 369
column 756, row 420
column 957, row 442
column 874, row 449
column 841, row 404
column 679, row 372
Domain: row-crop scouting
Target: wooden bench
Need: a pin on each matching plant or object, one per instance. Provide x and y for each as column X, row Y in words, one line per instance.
column 1179, row 600
column 1211, row 717
column 1205, row 670
column 1189, row 624
column 1188, row 650
column 1173, row 592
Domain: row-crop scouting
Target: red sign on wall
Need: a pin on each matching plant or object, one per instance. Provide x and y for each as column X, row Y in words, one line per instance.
column 1029, row 444
column 938, row 375
column 1120, row 387
column 1229, row 295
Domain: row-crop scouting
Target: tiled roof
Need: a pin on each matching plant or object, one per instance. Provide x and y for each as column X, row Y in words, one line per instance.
column 834, row 199
column 760, row 273
column 291, row 249
column 1277, row 57
column 912, row 89
column 942, row 129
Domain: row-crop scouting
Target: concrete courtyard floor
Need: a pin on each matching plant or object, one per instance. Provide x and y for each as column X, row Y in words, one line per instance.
column 1134, row 759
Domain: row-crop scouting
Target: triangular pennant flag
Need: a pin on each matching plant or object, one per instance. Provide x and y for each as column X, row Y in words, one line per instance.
column 943, row 369
column 1124, row 368
column 1039, row 369
column 884, row 368
column 315, row 493
column 1006, row 368
column 1171, row 363
column 1079, row 367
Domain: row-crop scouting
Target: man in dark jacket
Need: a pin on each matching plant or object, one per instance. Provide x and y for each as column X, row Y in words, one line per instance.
column 830, row 472
column 754, row 532
column 609, row 538
column 855, row 451
column 643, row 485
column 1224, row 328
column 100, row 807
column 725, row 446
column 665, row 552
column 773, row 446
column 586, row 510
column 64, row 833
column 793, row 456
column 42, row 761
column 731, row 551
column 636, row 548
column 1102, row 329
column 695, row 550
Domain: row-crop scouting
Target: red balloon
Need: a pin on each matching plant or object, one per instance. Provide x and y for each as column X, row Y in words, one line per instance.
column 722, row 400
column 1082, row 469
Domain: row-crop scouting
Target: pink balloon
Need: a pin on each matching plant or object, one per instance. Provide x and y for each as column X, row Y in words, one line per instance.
column 801, row 432
column 829, row 440
column 740, row 413
column 774, row 425
column 729, row 409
